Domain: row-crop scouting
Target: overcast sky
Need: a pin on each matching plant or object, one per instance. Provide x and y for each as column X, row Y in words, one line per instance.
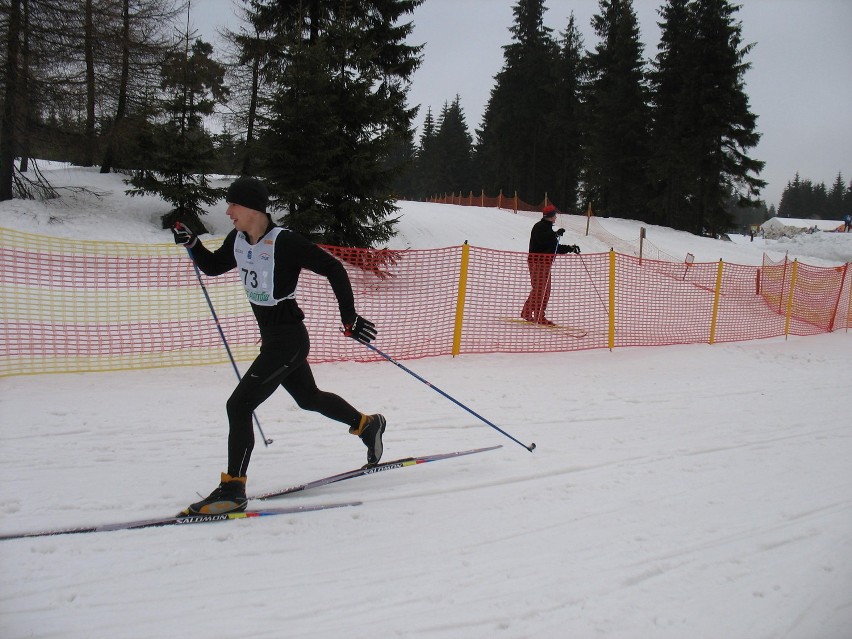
column 799, row 84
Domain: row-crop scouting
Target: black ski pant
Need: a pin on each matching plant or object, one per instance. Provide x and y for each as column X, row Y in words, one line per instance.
column 282, row 361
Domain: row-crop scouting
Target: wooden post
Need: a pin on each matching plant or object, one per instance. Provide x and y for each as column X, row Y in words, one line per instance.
column 588, row 218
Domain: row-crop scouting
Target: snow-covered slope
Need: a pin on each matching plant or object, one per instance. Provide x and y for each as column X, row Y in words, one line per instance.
column 695, row 491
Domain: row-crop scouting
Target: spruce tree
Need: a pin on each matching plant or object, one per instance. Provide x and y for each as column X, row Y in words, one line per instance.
column 336, row 113
column 724, row 124
column 453, row 149
column 568, row 121
column 427, row 162
column 180, row 150
column 616, row 176
column 516, row 140
column 675, row 146
column 835, row 199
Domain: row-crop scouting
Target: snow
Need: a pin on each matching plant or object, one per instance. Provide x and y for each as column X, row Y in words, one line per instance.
column 687, row 491
column 799, row 223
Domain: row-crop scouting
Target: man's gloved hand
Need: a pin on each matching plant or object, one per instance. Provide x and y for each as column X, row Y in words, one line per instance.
column 183, row 235
column 573, row 248
column 560, row 232
column 362, row 330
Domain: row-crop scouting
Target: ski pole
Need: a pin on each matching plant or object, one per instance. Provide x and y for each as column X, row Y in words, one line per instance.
column 530, row 448
column 593, row 283
column 545, row 291
column 266, row 441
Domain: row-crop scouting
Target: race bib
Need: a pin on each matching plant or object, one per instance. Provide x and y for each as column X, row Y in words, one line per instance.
column 256, row 265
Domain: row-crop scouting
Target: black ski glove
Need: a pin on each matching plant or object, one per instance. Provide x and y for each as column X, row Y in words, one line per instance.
column 362, row 330
column 560, row 232
column 573, row 248
column 183, row 235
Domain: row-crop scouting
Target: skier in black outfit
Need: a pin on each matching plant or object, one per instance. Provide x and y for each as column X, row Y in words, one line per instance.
column 270, row 259
column 544, row 245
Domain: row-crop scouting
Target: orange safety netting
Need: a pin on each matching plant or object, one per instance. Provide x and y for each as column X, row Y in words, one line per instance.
column 72, row 305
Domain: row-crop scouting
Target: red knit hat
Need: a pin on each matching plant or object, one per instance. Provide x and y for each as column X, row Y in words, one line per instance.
column 548, row 210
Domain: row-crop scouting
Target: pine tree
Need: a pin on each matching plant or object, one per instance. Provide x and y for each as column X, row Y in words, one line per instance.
column 336, row 113
column 835, row 199
column 673, row 163
column 515, row 142
column 618, row 142
column 428, row 164
column 725, row 126
column 568, row 116
column 180, row 150
column 453, row 150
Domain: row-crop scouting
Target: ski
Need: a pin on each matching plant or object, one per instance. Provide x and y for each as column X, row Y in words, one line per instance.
column 570, row 331
column 378, row 468
column 179, row 520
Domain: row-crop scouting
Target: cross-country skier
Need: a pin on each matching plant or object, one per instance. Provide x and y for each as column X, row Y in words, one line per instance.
column 544, row 245
column 269, row 259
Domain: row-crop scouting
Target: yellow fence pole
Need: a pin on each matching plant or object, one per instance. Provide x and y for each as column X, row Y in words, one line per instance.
column 716, row 297
column 611, row 336
column 457, row 331
column 790, row 298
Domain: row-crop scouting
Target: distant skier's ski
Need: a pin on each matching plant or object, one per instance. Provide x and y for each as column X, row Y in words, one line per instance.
column 179, row 520
column 359, row 472
column 570, row 331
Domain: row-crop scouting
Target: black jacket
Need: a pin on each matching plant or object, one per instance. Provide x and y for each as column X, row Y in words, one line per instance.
column 543, row 239
column 293, row 252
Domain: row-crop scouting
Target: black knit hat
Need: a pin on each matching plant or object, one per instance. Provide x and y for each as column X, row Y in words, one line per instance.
column 249, row 192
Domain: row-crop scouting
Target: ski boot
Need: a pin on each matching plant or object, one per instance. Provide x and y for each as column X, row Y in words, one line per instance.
column 229, row 497
column 370, row 430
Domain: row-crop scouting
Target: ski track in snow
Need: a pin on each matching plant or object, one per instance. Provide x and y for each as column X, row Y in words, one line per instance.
column 653, row 506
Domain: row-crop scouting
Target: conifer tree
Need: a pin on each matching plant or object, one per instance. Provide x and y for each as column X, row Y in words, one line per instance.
column 674, row 159
column 336, row 113
column 568, row 115
column 453, row 150
column 427, row 163
column 726, row 128
column 616, row 176
column 180, row 150
column 516, row 139
column 835, row 199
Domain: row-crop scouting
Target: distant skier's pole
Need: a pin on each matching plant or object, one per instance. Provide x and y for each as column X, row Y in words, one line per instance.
column 545, row 291
column 530, row 448
column 266, row 441
column 591, row 279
